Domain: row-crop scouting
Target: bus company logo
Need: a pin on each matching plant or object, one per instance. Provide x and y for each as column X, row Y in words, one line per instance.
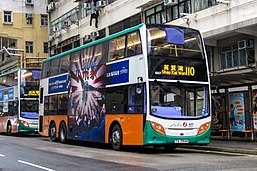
column 124, row 70
column 176, row 125
column 184, row 124
column 191, row 125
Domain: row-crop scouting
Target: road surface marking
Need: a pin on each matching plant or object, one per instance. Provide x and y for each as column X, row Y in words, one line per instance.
column 34, row 165
column 1, row 155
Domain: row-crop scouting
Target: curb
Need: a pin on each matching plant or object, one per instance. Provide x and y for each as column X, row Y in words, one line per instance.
column 230, row 150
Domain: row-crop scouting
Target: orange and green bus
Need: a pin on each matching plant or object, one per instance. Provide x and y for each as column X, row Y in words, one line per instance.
column 19, row 94
column 146, row 85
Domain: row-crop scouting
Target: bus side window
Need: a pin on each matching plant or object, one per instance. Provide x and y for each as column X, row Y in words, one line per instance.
column 62, row 103
column 117, row 48
column 64, row 64
column 135, row 99
column 116, row 100
column 134, row 46
column 53, row 104
column 46, row 105
column 55, row 67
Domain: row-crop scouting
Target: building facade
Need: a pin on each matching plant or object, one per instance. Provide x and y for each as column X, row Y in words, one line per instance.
column 228, row 28
column 23, row 34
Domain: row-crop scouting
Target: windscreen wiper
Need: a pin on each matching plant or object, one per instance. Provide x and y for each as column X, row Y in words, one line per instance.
column 164, row 88
column 188, row 89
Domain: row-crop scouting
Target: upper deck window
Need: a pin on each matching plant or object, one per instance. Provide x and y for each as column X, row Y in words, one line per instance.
column 117, row 48
column 134, row 46
column 175, row 42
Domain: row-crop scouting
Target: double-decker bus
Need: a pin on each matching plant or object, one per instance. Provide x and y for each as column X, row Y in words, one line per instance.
column 146, row 85
column 19, row 93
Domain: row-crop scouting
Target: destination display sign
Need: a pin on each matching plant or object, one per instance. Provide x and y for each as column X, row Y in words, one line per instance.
column 177, row 69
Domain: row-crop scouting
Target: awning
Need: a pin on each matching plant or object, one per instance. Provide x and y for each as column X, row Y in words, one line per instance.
column 234, row 80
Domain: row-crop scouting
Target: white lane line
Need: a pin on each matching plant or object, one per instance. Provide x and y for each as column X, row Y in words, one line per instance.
column 34, row 165
column 1, row 155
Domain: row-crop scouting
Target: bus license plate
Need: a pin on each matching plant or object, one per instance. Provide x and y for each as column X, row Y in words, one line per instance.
column 181, row 141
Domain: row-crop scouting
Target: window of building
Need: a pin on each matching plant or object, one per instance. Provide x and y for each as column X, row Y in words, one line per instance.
column 44, row 20
column 29, row 47
column 111, row 1
column 45, row 47
column 127, row 23
column 162, row 14
column 71, row 16
column 7, row 17
column 203, row 4
column 233, row 56
column 29, row 19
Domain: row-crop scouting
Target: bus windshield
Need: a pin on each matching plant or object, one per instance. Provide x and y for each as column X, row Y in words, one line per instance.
column 174, row 42
column 179, row 100
column 29, row 109
column 30, row 83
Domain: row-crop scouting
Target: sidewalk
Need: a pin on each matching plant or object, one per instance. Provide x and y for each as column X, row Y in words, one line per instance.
column 235, row 145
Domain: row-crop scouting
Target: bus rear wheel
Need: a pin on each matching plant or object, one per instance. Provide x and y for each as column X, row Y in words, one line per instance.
column 116, row 138
column 52, row 132
column 9, row 129
column 63, row 133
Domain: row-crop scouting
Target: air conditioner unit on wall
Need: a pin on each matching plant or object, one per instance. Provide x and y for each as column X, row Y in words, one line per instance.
column 50, row 38
column 50, row 7
column 29, row 2
column 94, row 34
column 58, row 34
column 100, row 4
column 170, row 2
column 87, row 37
column 87, row 6
column 241, row 44
column 66, row 23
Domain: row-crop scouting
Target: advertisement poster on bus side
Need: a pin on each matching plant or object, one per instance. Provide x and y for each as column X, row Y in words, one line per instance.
column 86, row 96
column 255, row 110
column 237, row 111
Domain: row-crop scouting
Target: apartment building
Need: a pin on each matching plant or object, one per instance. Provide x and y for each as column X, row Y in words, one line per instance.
column 228, row 28
column 23, row 34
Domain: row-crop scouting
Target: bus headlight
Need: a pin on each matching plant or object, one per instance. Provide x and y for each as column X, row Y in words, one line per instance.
column 157, row 127
column 203, row 128
column 25, row 123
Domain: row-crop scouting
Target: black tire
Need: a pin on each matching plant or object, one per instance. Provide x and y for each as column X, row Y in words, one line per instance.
column 9, row 129
column 52, row 132
column 63, row 132
column 116, row 138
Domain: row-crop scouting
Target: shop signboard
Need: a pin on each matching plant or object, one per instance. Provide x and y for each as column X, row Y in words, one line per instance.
column 237, row 111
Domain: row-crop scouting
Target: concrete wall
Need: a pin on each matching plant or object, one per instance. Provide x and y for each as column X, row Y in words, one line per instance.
column 23, row 32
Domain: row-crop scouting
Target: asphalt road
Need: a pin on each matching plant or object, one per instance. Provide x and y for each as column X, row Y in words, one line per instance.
column 37, row 153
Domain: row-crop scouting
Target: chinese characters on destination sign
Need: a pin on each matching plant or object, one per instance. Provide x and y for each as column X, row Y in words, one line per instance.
column 177, row 70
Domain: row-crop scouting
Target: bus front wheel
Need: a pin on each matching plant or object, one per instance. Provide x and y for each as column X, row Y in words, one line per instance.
column 9, row 129
column 52, row 132
column 63, row 133
column 116, row 138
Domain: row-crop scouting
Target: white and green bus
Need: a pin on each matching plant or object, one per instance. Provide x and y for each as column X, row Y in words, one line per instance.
column 19, row 93
column 146, row 85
